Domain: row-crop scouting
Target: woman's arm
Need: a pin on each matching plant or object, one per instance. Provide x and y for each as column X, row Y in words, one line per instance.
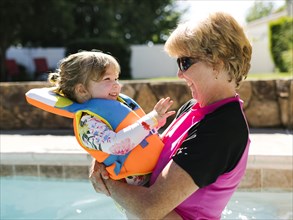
column 171, row 188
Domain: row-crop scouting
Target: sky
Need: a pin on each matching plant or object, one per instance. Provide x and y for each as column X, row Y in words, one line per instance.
column 199, row 9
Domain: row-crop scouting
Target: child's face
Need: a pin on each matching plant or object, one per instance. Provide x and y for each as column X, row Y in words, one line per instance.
column 106, row 88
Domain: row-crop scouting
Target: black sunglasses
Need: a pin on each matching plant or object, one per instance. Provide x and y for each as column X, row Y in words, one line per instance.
column 185, row 62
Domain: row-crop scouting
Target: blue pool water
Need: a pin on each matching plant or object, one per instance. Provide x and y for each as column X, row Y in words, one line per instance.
column 33, row 198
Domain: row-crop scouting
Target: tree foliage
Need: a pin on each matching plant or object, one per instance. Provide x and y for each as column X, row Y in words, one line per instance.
column 281, row 41
column 34, row 23
column 54, row 23
column 258, row 10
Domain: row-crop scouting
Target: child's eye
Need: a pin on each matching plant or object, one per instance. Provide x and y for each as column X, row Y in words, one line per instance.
column 110, row 78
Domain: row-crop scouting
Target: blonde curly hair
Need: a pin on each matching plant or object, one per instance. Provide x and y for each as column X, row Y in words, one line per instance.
column 219, row 38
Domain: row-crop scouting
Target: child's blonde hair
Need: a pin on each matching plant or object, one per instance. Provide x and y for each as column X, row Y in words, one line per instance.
column 81, row 67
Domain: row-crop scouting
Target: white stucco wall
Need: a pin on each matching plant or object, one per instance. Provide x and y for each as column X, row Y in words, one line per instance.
column 258, row 34
column 151, row 61
column 261, row 60
column 146, row 62
column 25, row 56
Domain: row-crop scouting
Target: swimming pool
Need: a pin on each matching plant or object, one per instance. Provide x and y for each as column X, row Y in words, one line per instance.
column 37, row 198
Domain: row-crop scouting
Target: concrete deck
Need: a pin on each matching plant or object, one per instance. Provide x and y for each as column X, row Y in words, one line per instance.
column 264, row 142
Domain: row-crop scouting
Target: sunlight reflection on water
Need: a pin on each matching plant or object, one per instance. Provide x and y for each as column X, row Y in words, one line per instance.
column 33, row 198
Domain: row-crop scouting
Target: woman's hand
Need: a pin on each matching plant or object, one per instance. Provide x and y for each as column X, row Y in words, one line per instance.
column 97, row 175
column 161, row 108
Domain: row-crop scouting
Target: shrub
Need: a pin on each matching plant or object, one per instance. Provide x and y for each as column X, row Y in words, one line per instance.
column 287, row 57
column 281, row 39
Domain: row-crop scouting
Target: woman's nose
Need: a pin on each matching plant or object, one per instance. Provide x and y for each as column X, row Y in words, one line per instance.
column 180, row 74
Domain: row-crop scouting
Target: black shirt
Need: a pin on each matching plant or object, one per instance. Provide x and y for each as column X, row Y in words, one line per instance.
column 214, row 145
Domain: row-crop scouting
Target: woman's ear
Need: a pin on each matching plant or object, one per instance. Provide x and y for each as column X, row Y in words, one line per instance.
column 217, row 69
column 216, row 72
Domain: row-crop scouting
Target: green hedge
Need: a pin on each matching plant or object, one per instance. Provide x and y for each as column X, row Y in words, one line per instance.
column 119, row 50
column 281, row 39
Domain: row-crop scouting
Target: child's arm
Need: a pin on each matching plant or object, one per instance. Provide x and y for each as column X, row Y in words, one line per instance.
column 97, row 135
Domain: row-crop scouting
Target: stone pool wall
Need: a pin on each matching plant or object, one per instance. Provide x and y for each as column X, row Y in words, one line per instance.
column 267, row 104
column 264, row 173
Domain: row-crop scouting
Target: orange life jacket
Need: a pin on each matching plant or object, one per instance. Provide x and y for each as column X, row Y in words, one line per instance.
column 117, row 114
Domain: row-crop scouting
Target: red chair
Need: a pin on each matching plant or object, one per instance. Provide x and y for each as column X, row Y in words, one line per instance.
column 11, row 68
column 41, row 67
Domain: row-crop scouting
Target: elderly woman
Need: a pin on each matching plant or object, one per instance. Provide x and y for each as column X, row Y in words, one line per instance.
column 206, row 146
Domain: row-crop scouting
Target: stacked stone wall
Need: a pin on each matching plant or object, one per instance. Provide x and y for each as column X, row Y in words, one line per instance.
column 267, row 104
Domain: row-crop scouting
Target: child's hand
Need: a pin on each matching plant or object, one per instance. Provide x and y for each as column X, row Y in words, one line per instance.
column 161, row 108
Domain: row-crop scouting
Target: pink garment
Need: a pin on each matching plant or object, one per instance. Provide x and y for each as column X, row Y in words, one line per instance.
column 207, row 202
